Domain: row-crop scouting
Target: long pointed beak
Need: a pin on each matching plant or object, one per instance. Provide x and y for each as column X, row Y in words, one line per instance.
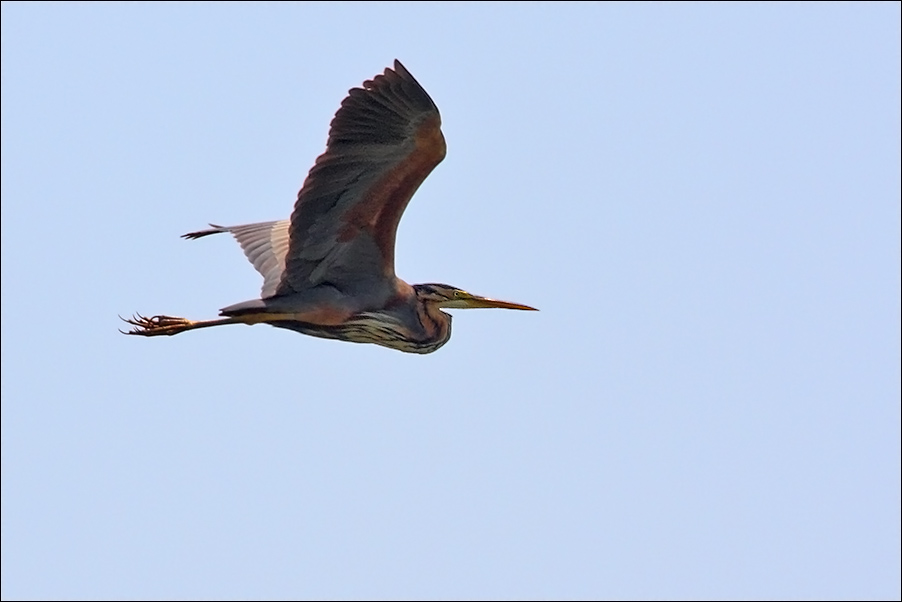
column 475, row 301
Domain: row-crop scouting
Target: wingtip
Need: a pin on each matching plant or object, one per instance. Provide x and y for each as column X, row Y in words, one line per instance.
column 214, row 229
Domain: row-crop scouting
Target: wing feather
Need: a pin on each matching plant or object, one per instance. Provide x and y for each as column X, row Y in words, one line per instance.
column 265, row 245
column 383, row 142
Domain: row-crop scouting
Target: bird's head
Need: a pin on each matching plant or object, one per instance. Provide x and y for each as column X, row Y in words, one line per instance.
column 443, row 295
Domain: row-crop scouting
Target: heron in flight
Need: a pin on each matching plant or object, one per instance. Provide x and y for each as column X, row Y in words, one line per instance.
column 329, row 271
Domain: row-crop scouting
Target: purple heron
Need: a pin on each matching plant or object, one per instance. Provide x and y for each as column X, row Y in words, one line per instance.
column 329, row 271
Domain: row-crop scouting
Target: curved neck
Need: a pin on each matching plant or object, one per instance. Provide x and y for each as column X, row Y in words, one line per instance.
column 436, row 324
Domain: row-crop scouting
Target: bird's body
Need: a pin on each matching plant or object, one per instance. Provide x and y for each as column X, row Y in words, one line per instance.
column 329, row 270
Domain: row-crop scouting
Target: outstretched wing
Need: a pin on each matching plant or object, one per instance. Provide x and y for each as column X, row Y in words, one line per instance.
column 383, row 142
column 264, row 244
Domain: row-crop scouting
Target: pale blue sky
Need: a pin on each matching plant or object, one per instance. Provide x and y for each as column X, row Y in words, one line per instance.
column 704, row 202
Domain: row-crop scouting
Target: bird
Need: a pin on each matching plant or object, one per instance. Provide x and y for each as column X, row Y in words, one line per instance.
column 329, row 270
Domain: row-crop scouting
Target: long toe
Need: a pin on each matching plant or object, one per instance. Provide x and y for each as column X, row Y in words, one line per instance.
column 156, row 325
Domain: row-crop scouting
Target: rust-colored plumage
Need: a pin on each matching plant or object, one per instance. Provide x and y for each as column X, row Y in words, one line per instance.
column 329, row 271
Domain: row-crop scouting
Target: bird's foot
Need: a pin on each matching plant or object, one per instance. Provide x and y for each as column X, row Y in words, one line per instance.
column 156, row 326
